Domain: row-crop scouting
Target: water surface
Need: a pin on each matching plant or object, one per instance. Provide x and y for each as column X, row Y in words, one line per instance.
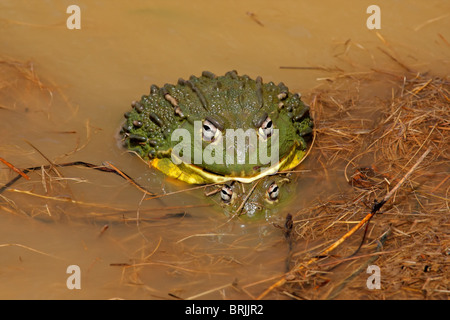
column 64, row 91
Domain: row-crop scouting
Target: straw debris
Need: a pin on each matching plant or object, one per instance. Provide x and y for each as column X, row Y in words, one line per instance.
column 398, row 154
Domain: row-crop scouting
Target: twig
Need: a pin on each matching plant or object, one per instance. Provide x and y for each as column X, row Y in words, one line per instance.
column 76, row 163
column 420, row 26
column 287, row 230
column 15, row 169
column 126, row 177
column 389, row 195
column 373, row 258
column 254, row 18
column 52, row 165
column 395, row 59
column 29, row 248
column 205, row 235
column 238, row 211
column 179, row 191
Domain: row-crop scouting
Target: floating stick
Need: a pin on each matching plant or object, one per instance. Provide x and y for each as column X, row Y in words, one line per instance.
column 78, row 163
column 15, row 169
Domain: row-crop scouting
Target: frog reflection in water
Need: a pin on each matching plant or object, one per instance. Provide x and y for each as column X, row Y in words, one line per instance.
column 260, row 199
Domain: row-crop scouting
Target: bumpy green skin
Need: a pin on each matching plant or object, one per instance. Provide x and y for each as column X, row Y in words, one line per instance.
column 235, row 101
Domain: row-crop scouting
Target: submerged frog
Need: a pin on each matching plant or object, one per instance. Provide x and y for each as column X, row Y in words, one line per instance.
column 257, row 200
column 234, row 125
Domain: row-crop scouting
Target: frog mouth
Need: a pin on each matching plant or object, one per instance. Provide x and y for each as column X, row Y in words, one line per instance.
column 193, row 174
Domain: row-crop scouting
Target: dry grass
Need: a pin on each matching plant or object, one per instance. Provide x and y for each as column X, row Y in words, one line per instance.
column 409, row 239
column 373, row 141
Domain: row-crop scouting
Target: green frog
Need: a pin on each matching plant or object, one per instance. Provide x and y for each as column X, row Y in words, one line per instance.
column 219, row 129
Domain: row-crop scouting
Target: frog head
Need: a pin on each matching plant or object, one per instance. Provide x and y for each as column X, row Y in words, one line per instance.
column 213, row 129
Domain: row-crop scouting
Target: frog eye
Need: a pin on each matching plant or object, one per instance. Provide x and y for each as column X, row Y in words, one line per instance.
column 273, row 191
column 226, row 193
column 266, row 128
column 209, row 131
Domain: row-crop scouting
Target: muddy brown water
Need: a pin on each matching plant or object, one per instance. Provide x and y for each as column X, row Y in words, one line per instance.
column 65, row 91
